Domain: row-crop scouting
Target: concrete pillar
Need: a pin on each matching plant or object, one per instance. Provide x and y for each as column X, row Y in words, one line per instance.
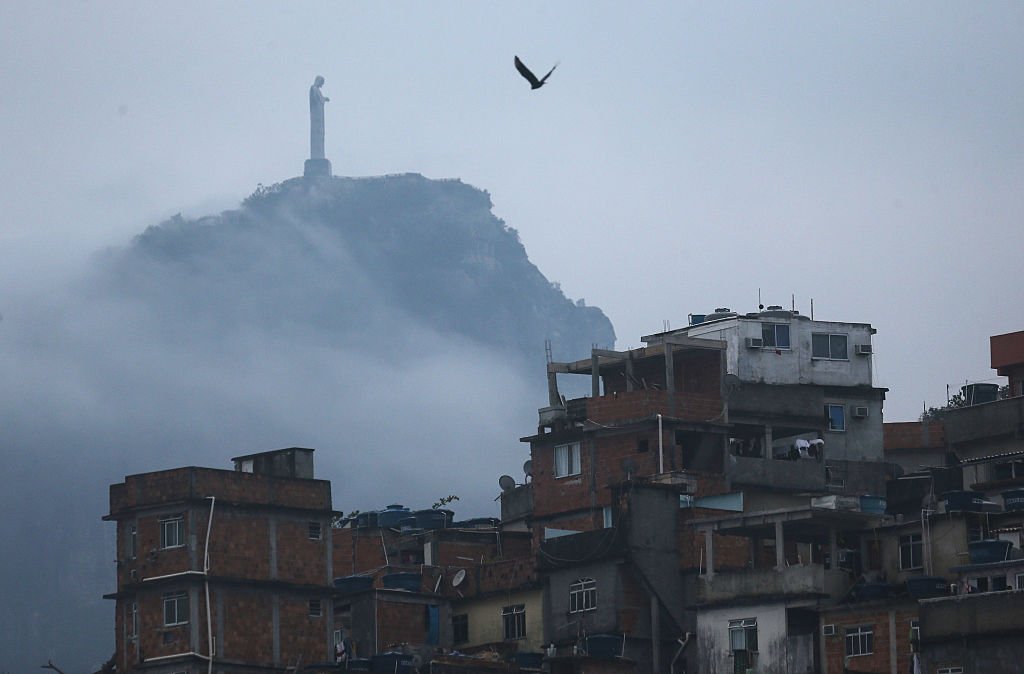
column 755, row 550
column 629, row 372
column 833, row 548
column 780, row 547
column 670, row 379
column 768, row 443
column 554, row 400
column 709, row 554
column 655, row 635
column 595, row 375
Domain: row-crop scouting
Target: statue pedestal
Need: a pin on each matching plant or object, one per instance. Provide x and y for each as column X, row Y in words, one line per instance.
column 317, row 168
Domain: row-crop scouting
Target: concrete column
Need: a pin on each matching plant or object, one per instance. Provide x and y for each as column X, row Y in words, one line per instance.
column 780, row 547
column 554, row 400
column 768, row 443
column 595, row 375
column 275, row 628
column 892, row 641
column 670, row 379
column 755, row 549
column 272, row 535
column 655, row 635
column 629, row 372
column 833, row 548
column 709, row 554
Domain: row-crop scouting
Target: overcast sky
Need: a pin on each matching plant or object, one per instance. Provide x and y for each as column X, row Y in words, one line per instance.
column 868, row 156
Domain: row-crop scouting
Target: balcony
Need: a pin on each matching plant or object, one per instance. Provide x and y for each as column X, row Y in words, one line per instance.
column 998, row 419
column 802, row 474
column 799, row 580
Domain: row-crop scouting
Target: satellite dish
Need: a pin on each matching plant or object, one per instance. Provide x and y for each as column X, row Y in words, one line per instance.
column 528, row 468
column 731, row 383
column 506, row 482
column 628, row 466
column 459, row 576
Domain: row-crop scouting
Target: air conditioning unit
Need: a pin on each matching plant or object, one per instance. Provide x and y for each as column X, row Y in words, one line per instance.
column 755, row 343
column 828, row 630
column 860, row 412
column 863, row 349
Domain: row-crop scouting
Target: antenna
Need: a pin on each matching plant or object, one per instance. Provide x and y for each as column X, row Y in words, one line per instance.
column 506, row 482
column 760, row 306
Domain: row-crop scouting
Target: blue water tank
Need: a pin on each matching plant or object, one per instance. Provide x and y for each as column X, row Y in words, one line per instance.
column 392, row 515
column 1013, row 499
column 986, row 552
column 403, row 580
column 604, row 645
column 350, row 584
column 927, row 586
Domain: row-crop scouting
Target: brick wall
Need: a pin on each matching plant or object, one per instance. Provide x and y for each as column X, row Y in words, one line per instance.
column 400, row 622
column 877, row 618
column 180, row 484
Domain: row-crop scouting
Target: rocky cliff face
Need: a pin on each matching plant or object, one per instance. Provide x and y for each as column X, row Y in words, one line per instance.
column 352, row 258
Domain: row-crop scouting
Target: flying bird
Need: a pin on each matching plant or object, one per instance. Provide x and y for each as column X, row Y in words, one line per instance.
column 530, row 77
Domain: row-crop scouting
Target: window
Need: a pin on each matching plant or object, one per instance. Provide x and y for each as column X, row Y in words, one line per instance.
column 836, row 415
column 743, row 635
column 775, row 335
column 175, row 608
column 1019, row 581
column 910, row 551
column 642, row 445
column 315, row 531
column 950, row 670
column 131, row 546
column 827, row 346
column 606, row 515
column 513, row 620
column 859, row 641
column 460, row 628
column 567, row 459
column 583, row 595
column 915, row 633
column 315, row 609
column 131, row 619
column 172, row 531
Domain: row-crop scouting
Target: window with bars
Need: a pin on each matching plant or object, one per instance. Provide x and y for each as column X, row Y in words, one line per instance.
column 460, row 628
column 583, row 595
column 859, row 641
column 315, row 608
column 315, row 531
column 513, row 620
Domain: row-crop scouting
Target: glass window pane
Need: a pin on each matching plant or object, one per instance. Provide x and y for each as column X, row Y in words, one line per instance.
column 768, row 334
column 782, row 336
column 819, row 345
column 838, row 347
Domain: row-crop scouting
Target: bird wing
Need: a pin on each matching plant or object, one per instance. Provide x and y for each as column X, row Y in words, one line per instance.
column 545, row 78
column 525, row 72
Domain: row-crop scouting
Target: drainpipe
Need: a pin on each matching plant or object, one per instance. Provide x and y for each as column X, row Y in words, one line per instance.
column 206, row 584
column 683, row 643
column 661, row 448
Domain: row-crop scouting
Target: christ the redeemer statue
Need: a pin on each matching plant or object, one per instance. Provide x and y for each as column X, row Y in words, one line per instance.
column 317, row 165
